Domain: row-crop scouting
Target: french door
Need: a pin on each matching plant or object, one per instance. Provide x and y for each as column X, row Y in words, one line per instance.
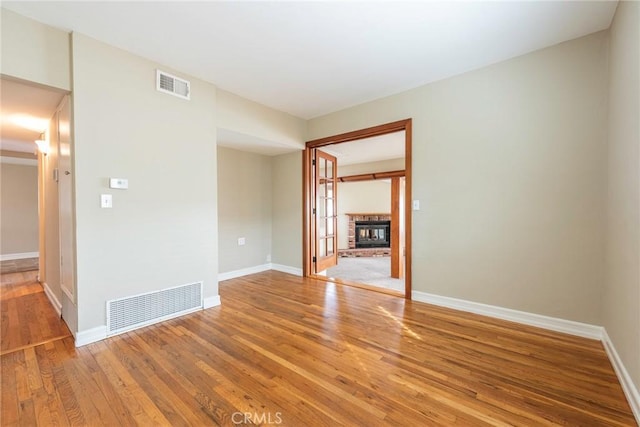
column 325, row 211
column 316, row 173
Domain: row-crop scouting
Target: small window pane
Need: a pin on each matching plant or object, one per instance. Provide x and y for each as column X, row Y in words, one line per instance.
column 329, row 189
column 322, row 189
column 322, row 208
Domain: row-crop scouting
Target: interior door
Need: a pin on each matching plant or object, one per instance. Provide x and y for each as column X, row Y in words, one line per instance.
column 65, row 201
column 325, row 211
column 65, row 218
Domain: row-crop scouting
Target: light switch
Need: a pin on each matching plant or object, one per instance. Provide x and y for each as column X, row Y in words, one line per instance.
column 416, row 205
column 106, row 201
column 241, row 241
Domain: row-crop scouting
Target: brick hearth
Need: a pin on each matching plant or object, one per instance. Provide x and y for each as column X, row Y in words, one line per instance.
column 364, row 252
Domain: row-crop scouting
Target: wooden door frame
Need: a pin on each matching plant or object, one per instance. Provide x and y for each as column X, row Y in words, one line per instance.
column 307, row 222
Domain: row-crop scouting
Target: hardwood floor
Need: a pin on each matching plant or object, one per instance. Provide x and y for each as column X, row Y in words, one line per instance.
column 27, row 315
column 296, row 352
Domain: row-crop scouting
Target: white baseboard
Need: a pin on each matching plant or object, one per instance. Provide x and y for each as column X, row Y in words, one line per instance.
column 243, row 272
column 212, row 301
column 552, row 323
column 23, row 255
column 55, row 302
column 259, row 269
column 91, row 335
column 286, row 269
column 629, row 388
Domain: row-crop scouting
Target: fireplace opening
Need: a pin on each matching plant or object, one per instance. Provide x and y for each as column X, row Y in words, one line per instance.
column 373, row 234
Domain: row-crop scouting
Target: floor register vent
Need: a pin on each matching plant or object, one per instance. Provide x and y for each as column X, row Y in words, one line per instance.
column 125, row 314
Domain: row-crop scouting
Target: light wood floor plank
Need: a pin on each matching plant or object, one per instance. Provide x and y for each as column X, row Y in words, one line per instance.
column 9, row 393
column 27, row 317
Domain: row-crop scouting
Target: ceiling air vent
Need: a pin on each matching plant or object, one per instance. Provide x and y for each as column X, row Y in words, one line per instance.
column 167, row 83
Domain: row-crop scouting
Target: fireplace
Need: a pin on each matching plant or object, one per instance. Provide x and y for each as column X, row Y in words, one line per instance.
column 369, row 247
column 373, row 234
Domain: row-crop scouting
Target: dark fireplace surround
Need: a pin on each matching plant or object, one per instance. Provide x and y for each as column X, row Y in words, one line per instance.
column 375, row 247
column 373, row 234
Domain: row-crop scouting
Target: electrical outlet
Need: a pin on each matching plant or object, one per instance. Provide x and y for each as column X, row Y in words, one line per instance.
column 269, row 258
column 241, row 241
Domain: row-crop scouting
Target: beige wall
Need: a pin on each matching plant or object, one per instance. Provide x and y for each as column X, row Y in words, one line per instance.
column 250, row 118
column 360, row 197
column 162, row 231
column 244, row 209
column 34, row 52
column 282, row 130
column 18, row 208
column 622, row 281
column 507, row 165
column 246, row 117
column 287, row 210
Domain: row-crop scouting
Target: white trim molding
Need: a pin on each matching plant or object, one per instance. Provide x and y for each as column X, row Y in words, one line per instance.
column 259, row 269
column 212, row 301
column 91, row 335
column 68, row 293
column 23, row 255
column 55, row 302
column 552, row 323
column 629, row 388
column 243, row 272
column 286, row 269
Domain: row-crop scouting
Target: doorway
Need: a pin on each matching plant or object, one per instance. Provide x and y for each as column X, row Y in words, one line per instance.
column 35, row 114
column 321, row 191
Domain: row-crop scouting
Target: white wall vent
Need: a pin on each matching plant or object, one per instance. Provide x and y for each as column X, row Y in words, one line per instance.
column 125, row 314
column 173, row 85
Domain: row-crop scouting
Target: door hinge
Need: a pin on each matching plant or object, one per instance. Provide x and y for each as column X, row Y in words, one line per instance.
column 314, row 259
column 313, row 162
column 314, row 211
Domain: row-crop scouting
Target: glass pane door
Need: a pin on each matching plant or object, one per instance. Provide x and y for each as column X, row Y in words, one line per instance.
column 325, row 211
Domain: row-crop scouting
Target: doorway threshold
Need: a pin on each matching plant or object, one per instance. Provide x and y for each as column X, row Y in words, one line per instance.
column 353, row 284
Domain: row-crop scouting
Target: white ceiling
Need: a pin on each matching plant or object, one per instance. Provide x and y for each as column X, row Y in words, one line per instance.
column 374, row 149
column 25, row 113
column 312, row 58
